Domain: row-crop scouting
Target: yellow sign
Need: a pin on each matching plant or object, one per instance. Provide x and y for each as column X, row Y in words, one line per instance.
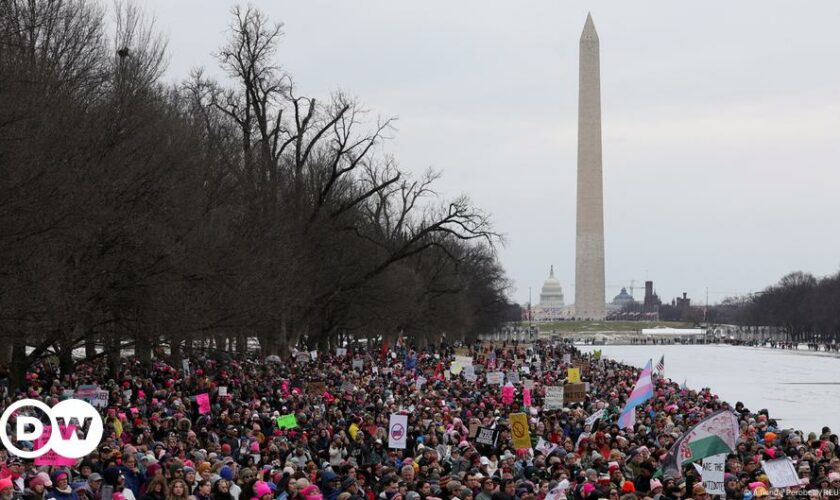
column 455, row 368
column 574, row 375
column 354, row 429
column 519, row 431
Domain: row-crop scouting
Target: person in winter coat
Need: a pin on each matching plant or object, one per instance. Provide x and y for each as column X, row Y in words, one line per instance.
column 156, row 489
column 61, row 487
column 37, row 490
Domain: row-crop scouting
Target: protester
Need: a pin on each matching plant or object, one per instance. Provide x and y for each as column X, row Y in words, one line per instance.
column 312, row 427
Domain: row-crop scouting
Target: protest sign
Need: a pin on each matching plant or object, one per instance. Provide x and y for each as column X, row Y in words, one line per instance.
column 528, row 384
column 567, row 358
column 474, row 430
column 545, row 447
column 455, row 368
column 316, row 387
column 507, row 394
column 313, row 355
column 420, row 382
column 497, row 378
column 101, row 399
column 340, row 351
column 520, row 435
column 487, row 437
column 203, row 401
column 574, row 375
column 780, row 472
column 595, row 416
column 553, row 397
column 464, row 360
column 302, row 357
column 51, row 457
column 513, row 377
column 469, row 373
column 358, row 364
column 223, row 390
column 713, row 474
column 526, row 397
column 397, row 431
column 287, row 421
column 574, row 393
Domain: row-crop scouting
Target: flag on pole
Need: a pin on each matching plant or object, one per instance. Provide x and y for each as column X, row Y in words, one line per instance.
column 661, row 365
column 684, row 384
column 642, row 391
column 716, row 434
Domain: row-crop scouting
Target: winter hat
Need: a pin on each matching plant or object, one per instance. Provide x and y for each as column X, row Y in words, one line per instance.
column 226, row 473
column 6, row 482
column 261, row 488
column 45, row 478
column 58, row 475
column 654, row 483
column 628, row 487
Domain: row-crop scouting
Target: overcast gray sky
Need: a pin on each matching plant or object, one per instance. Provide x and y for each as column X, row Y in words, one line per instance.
column 721, row 122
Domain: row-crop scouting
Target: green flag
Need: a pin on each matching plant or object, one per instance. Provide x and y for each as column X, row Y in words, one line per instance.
column 287, row 421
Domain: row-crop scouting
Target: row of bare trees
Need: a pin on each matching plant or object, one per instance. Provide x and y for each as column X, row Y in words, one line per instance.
column 804, row 306
column 135, row 214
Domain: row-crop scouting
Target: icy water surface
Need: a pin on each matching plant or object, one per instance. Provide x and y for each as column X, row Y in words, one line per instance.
column 801, row 390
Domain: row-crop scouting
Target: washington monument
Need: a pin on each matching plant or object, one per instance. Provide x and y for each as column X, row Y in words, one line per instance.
column 589, row 252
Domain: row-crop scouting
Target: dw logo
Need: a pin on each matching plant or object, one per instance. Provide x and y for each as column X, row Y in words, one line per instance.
column 68, row 419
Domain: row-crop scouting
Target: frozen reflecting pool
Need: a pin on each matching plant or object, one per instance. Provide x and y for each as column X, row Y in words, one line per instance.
column 800, row 389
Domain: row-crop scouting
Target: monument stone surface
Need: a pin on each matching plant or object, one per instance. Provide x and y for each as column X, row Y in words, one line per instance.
column 589, row 252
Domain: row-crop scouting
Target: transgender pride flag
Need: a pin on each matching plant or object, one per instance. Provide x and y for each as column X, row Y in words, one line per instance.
column 642, row 391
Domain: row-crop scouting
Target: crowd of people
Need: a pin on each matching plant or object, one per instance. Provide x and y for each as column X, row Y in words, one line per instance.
column 314, row 426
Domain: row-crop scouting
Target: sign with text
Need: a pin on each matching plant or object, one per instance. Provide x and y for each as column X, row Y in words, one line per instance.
column 554, row 397
column 487, row 437
column 519, row 433
column 574, row 393
column 780, row 472
column 497, row 378
column 713, row 474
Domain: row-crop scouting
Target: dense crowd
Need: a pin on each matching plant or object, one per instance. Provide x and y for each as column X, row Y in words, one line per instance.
column 160, row 445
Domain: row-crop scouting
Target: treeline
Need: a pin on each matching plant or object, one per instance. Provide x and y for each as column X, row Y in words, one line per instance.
column 806, row 307
column 135, row 213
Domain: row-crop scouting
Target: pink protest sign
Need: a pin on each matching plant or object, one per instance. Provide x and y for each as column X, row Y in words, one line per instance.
column 203, row 401
column 526, row 397
column 51, row 457
column 507, row 394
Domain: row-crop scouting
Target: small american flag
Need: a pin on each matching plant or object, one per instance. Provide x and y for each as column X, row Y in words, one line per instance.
column 661, row 365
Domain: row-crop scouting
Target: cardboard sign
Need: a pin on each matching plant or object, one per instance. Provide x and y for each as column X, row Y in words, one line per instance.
column 316, row 388
column 574, row 393
column 519, row 432
column 554, row 397
column 713, row 474
column 486, row 437
column 780, row 472
column 397, row 431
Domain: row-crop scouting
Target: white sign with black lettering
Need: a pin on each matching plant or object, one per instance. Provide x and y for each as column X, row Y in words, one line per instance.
column 713, row 474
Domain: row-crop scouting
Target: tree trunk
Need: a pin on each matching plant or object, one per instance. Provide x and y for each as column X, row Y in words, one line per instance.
column 90, row 346
column 143, row 348
column 17, row 372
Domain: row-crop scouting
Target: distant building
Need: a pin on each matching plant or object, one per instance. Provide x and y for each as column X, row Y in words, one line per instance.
column 623, row 299
column 652, row 301
column 552, row 306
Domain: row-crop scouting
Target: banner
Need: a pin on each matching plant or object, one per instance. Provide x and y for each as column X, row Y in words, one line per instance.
column 573, row 375
column 487, row 437
column 397, row 431
column 287, row 421
column 519, row 432
column 497, row 378
column 715, row 434
column 554, row 397
column 713, row 474
column 595, row 416
column 780, row 472
column 203, row 401
column 574, row 393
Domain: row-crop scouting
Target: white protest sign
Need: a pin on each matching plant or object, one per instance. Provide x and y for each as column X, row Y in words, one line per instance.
column 464, row 360
column 358, row 364
column 101, row 400
column 595, row 416
column 421, row 380
column 780, row 472
column 528, row 384
column 469, row 373
column 397, row 431
column 513, row 377
column 340, row 351
column 554, row 397
column 713, row 474
column 567, row 358
column 497, row 378
column 222, row 390
column 314, row 355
